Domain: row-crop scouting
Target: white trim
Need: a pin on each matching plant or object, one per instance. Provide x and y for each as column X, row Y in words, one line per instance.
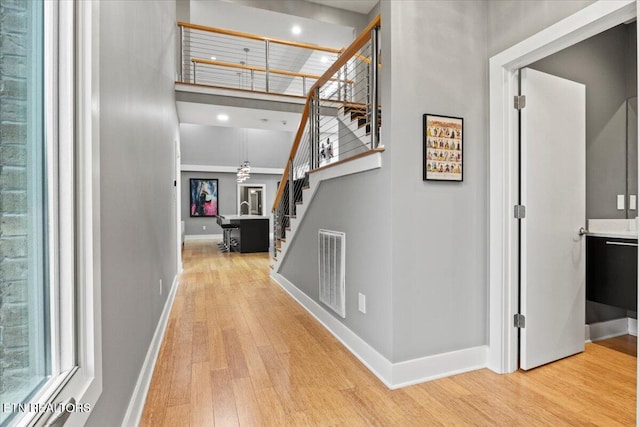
column 136, row 404
column 362, row 164
column 608, row 329
column 593, row 19
column 632, row 326
column 229, row 169
column 442, row 365
column 392, row 375
column 263, row 196
column 202, row 237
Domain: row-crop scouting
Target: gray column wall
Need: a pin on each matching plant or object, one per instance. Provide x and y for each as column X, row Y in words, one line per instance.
column 440, row 229
column 138, row 129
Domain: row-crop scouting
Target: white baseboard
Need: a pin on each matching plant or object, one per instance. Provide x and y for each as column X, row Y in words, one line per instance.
column 439, row 366
column 393, row 375
column 376, row 362
column 203, row 237
column 633, row 326
column 136, row 404
column 610, row 329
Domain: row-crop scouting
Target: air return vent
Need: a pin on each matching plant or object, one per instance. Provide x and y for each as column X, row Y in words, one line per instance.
column 331, row 263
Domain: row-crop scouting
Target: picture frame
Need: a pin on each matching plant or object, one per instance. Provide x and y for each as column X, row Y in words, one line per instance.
column 203, row 197
column 442, row 148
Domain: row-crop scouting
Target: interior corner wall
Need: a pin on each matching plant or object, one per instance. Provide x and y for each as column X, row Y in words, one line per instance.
column 138, row 129
column 227, row 199
column 440, row 229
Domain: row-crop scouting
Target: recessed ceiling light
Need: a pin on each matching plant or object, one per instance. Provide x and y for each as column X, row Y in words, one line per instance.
column 324, row 59
column 223, row 117
column 296, row 29
column 213, row 58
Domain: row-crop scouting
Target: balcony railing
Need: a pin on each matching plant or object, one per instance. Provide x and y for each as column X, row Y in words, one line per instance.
column 231, row 59
column 341, row 120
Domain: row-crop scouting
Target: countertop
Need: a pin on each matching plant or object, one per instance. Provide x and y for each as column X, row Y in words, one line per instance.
column 230, row 217
column 613, row 228
column 614, row 235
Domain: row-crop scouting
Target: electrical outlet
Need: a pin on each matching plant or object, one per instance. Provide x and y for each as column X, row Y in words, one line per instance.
column 620, row 203
column 160, row 286
column 204, row 227
column 362, row 303
column 633, row 202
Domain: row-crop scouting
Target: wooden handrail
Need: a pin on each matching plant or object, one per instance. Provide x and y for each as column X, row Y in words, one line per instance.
column 292, row 153
column 257, row 37
column 352, row 50
column 261, row 69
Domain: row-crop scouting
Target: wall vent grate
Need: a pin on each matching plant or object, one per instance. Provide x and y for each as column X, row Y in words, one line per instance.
column 331, row 268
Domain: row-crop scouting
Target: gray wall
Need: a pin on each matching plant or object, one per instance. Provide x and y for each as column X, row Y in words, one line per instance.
column 368, row 251
column 601, row 64
column 227, row 199
column 510, row 22
column 222, row 146
column 138, row 127
column 440, row 229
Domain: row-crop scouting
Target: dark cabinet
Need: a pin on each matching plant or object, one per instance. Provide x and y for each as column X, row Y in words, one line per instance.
column 252, row 234
column 612, row 271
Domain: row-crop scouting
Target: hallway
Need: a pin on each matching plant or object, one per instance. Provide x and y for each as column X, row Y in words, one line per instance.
column 239, row 351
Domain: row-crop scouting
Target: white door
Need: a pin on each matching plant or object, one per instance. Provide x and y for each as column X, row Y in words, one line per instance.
column 552, row 253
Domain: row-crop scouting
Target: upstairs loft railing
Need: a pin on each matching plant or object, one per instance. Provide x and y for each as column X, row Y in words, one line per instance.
column 231, row 59
column 341, row 120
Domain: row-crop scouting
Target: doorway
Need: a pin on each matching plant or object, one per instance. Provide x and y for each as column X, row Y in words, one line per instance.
column 504, row 154
column 251, row 199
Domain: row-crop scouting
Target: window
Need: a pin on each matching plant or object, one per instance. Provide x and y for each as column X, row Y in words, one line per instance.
column 49, row 272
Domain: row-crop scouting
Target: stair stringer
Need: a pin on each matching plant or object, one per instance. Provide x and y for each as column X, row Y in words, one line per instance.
column 373, row 160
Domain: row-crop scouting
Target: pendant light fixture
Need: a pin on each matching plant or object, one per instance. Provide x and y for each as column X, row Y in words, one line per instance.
column 244, row 171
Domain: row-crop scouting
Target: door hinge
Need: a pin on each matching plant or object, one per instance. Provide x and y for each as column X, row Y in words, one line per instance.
column 519, row 212
column 518, row 320
column 519, row 102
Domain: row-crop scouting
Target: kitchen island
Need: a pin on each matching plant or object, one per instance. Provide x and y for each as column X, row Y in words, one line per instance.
column 252, row 234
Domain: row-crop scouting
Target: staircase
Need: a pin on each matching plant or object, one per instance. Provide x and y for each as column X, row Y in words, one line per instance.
column 354, row 116
column 331, row 112
column 368, row 160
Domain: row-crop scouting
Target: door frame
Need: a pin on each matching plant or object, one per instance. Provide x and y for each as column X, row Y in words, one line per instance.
column 264, row 196
column 502, row 355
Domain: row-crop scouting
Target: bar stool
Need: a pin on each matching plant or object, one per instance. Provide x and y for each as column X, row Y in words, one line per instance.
column 227, row 228
column 226, row 233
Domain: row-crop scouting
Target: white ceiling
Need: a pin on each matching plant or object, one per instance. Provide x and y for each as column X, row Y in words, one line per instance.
column 360, row 6
column 239, row 117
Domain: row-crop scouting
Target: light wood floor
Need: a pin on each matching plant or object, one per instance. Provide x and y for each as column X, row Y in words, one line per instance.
column 239, row 351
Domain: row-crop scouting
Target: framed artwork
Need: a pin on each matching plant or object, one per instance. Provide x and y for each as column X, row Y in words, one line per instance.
column 203, row 197
column 442, row 148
